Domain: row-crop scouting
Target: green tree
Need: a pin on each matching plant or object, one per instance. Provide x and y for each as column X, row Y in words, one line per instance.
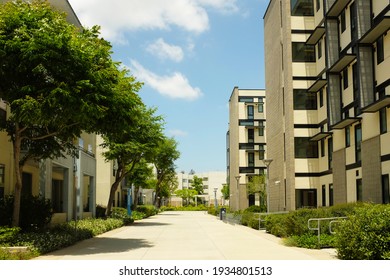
column 140, row 177
column 225, row 191
column 56, row 79
column 164, row 161
column 256, row 185
column 139, row 137
column 197, row 184
column 186, row 194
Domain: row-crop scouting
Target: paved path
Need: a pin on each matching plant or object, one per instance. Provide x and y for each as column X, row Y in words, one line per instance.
column 185, row 236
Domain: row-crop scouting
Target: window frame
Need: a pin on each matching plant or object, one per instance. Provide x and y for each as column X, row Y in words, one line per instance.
column 380, row 50
column 301, row 52
column 304, row 148
column 304, row 100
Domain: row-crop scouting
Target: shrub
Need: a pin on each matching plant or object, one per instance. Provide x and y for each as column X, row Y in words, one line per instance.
column 121, row 213
column 365, row 235
column 275, row 224
column 7, row 234
column 148, row 210
column 255, row 209
column 100, row 211
column 137, row 215
column 35, row 212
column 310, row 241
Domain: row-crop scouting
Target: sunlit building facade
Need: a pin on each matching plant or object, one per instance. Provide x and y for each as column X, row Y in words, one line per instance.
column 327, row 78
column 246, row 145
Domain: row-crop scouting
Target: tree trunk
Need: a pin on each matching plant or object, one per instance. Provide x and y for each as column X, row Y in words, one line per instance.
column 17, row 143
column 111, row 198
column 136, row 195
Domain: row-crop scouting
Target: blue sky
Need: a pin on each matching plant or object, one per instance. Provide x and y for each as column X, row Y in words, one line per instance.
column 190, row 54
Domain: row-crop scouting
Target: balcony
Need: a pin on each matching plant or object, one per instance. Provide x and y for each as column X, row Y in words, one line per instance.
column 321, row 135
column 342, row 63
column 317, row 85
column 316, row 35
column 377, row 105
column 376, row 31
column 346, row 122
column 337, row 7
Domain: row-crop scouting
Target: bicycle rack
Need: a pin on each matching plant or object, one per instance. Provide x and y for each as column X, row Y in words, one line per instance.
column 318, row 228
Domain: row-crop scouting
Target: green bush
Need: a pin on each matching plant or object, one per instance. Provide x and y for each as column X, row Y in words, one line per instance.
column 310, row 241
column 148, row 210
column 121, row 213
column 275, row 224
column 100, row 211
column 7, row 234
column 365, row 235
column 35, row 212
column 255, row 209
column 137, row 215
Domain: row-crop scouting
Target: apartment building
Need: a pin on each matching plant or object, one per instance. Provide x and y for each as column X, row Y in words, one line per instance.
column 327, row 75
column 213, row 182
column 70, row 183
column 246, row 144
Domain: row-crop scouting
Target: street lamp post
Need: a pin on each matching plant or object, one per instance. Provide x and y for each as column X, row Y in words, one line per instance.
column 238, row 192
column 267, row 163
column 215, row 198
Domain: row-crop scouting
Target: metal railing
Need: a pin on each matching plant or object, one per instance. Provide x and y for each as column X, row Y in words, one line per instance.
column 318, row 227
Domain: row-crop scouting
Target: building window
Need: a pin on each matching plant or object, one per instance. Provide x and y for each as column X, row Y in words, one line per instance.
column 358, row 143
column 250, row 112
column 251, row 135
column 321, row 96
column 318, row 5
column 306, row 198
column 57, row 196
column 331, row 200
column 345, row 78
column 385, row 189
column 353, row 12
column 304, row 100
column 383, row 120
column 261, row 152
column 342, row 21
column 359, row 190
column 302, row 52
column 323, row 195
column 261, row 105
column 246, row 123
column 347, row 136
column 3, row 117
column 245, row 99
column 380, row 53
column 330, row 153
column 319, row 49
column 322, row 143
column 304, row 148
column 302, row 8
column 261, row 128
column 251, row 160
column 2, row 180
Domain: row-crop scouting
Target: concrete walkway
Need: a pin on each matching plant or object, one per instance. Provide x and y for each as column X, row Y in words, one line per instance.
column 185, row 236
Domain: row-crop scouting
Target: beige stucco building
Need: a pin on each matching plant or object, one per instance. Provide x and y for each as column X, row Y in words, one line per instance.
column 327, row 81
column 246, row 144
column 213, row 182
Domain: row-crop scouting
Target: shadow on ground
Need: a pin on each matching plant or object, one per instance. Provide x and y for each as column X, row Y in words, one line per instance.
column 102, row 245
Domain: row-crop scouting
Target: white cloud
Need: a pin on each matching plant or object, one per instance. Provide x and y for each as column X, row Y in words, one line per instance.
column 118, row 16
column 175, row 86
column 225, row 6
column 165, row 51
column 178, row 133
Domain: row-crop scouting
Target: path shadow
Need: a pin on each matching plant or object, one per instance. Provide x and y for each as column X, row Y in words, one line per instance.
column 149, row 224
column 102, row 245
